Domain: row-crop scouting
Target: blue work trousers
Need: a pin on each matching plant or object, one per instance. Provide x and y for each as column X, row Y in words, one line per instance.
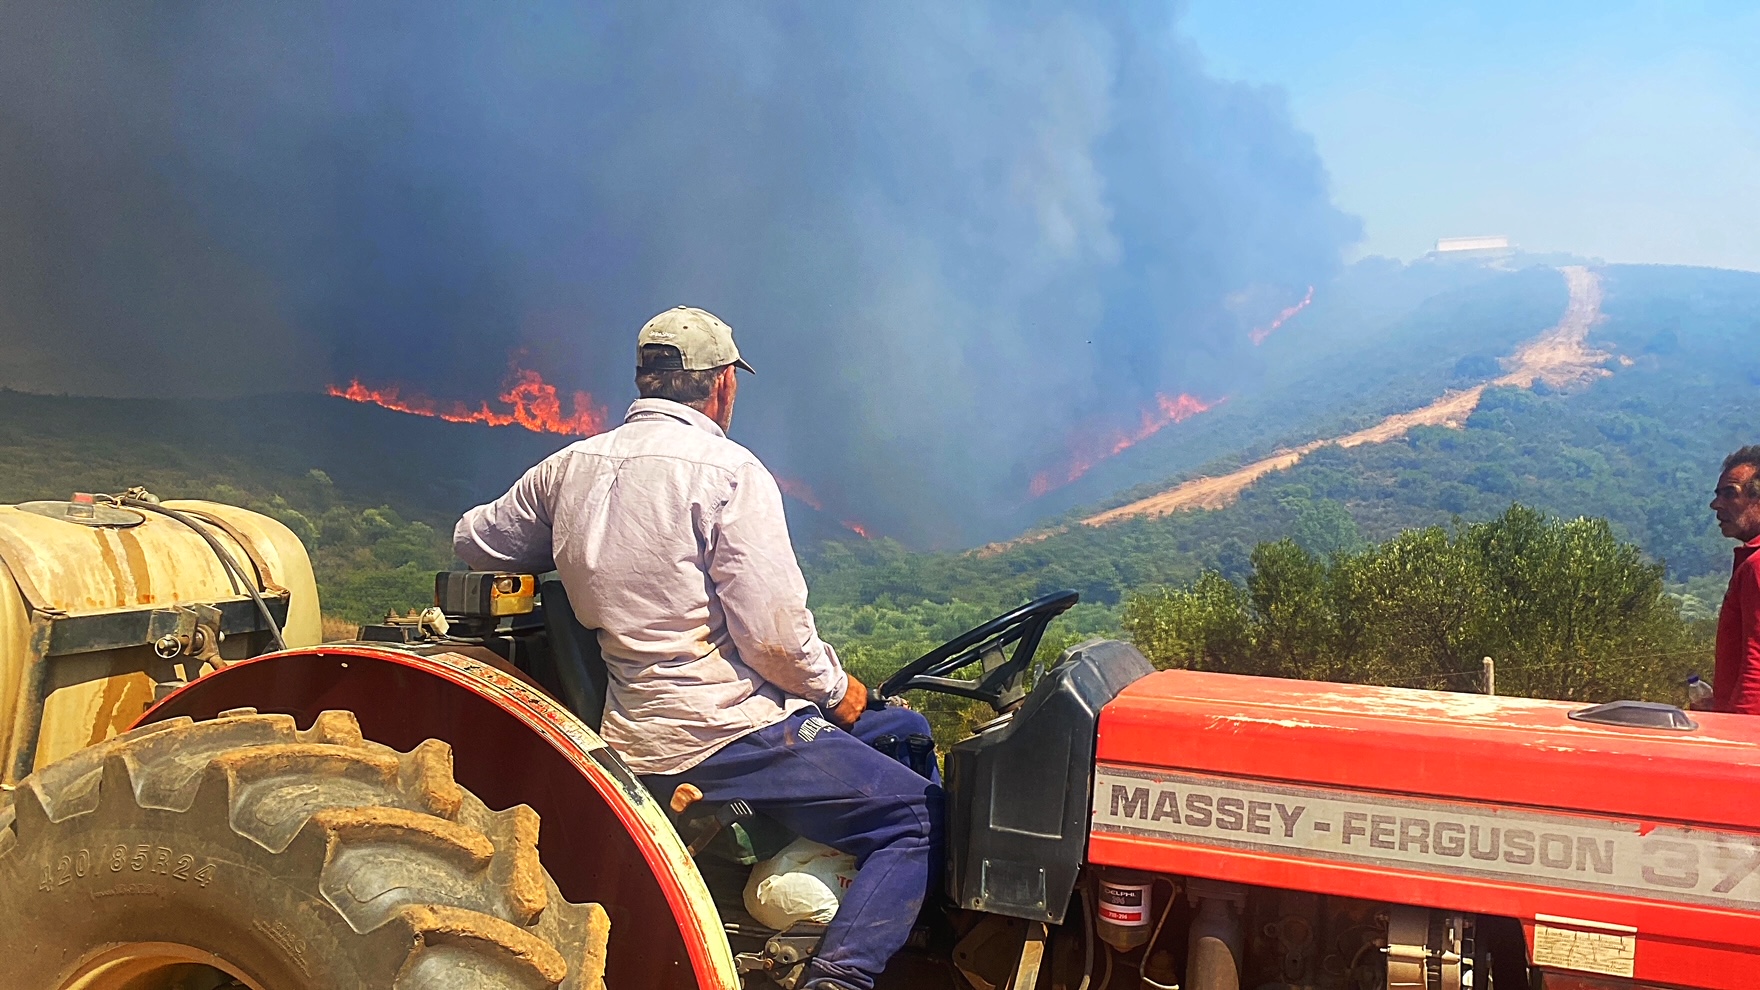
column 833, row 787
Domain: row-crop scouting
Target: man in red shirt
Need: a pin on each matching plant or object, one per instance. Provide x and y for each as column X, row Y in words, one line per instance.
column 1736, row 684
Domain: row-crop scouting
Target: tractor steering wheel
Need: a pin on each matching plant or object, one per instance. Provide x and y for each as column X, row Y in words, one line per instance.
column 1024, row 627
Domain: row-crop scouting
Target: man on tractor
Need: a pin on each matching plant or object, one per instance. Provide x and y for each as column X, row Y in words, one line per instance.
column 670, row 541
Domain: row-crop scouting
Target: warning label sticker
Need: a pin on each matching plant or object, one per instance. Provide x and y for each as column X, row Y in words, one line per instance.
column 1660, row 861
column 1590, row 946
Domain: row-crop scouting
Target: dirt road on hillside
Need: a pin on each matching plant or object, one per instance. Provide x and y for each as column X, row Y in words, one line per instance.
column 1560, row 357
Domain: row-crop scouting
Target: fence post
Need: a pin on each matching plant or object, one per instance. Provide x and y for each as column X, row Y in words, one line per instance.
column 1490, row 676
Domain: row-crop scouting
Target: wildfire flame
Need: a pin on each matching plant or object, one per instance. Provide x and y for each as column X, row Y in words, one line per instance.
column 802, row 492
column 535, row 406
column 1260, row 333
column 1166, row 411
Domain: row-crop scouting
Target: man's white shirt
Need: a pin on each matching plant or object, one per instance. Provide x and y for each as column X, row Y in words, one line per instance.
column 670, row 540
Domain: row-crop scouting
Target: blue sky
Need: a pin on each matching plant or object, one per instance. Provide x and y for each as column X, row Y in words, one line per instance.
column 1624, row 130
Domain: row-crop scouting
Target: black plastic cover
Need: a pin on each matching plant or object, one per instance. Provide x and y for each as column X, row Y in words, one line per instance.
column 1018, row 794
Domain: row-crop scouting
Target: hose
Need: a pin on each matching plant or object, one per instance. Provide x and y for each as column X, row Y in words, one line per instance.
column 137, row 498
column 1155, row 936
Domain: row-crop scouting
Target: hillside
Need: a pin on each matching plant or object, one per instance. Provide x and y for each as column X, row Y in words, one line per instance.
column 1636, row 441
column 374, row 491
column 1638, row 446
column 1385, row 338
column 1559, row 357
column 263, row 446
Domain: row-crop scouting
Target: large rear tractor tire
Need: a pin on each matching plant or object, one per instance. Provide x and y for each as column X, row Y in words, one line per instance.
column 242, row 852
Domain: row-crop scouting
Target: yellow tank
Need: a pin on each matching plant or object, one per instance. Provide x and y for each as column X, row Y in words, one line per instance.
column 102, row 605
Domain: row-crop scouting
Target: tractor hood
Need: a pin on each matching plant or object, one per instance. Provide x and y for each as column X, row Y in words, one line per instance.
column 1437, row 745
column 1623, row 851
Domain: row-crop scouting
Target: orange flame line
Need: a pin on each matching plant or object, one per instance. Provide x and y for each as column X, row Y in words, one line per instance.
column 536, row 406
column 1259, row 334
column 803, row 493
column 800, row 491
column 1166, row 411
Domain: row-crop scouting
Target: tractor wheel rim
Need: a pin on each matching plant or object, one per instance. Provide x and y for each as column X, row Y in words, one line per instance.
column 134, row 965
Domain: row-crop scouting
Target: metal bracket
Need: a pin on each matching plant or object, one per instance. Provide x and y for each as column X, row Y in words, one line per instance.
column 784, row 959
column 190, row 633
column 116, row 629
column 186, row 631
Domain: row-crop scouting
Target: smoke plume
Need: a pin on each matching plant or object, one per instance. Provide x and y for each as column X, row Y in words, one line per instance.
column 948, row 234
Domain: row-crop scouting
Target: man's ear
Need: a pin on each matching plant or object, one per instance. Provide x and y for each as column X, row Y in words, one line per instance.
column 720, row 406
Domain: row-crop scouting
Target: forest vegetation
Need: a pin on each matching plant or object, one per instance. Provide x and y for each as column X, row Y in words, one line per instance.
column 1567, row 609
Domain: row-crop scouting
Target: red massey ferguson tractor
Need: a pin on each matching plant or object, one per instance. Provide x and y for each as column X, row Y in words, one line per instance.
column 199, row 795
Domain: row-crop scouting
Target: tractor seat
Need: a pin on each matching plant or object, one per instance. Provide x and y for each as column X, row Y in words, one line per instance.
column 579, row 675
column 733, row 831
column 726, row 838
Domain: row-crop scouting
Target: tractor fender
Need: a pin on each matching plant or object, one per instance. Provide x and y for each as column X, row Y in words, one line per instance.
column 602, row 837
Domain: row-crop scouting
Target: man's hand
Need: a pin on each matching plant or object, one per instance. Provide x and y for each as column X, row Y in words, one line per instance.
column 855, row 701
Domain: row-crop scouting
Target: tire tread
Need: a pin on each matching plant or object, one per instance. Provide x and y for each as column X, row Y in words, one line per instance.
column 395, row 825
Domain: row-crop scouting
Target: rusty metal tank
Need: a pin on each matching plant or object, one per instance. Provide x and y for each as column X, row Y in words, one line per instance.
column 103, row 607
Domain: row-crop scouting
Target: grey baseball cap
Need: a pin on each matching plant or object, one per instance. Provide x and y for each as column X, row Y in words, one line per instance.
column 701, row 342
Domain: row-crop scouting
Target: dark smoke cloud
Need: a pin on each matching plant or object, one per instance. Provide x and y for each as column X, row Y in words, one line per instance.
column 945, row 232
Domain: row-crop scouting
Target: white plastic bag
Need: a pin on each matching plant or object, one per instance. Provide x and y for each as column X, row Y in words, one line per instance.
column 806, row 881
